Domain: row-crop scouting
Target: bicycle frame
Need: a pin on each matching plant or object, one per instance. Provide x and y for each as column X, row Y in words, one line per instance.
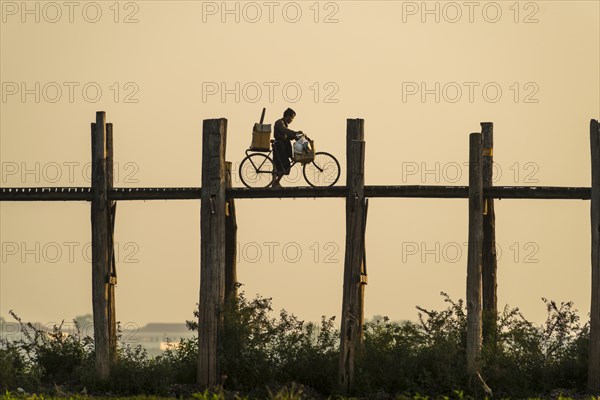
column 258, row 168
column 310, row 165
column 272, row 151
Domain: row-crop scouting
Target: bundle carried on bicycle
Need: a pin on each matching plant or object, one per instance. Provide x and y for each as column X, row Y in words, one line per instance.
column 304, row 149
column 258, row 169
column 261, row 135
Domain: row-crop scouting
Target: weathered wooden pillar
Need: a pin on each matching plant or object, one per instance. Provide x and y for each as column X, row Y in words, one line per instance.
column 100, row 247
column 352, row 303
column 474, row 284
column 212, row 250
column 363, row 272
column 112, row 273
column 490, row 264
column 230, row 240
column 594, row 349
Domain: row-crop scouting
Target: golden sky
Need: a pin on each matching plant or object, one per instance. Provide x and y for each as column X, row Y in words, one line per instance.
column 423, row 75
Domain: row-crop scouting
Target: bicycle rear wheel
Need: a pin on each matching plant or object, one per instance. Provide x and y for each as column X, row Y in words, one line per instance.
column 256, row 170
column 323, row 171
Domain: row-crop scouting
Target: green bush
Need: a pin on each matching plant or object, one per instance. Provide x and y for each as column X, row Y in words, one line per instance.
column 41, row 359
column 425, row 357
column 15, row 370
column 53, row 356
column 135, row 373
column 528, row 359
column 521, row 359
column 259, row 350
column 262, row 354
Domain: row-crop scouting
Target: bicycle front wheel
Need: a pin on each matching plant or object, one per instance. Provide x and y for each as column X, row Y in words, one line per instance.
column 256, row 170
column 323, row 171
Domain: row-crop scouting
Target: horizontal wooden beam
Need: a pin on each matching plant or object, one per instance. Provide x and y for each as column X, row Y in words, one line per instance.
column 496, row 192
column 288, row 192
column 538, row 192
column 85, row 194
column 46, row 194
column 449, row 192
column 156, row 194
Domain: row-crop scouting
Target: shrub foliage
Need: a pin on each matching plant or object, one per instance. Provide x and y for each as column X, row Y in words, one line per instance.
column 261, row 353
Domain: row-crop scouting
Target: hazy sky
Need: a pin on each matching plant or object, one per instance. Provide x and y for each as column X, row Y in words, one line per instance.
column 423, row 75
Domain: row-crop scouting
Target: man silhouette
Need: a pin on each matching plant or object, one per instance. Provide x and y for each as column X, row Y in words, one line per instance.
column 282, row 147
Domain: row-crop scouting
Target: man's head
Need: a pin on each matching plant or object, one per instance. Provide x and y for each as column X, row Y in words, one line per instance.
column 288, row 115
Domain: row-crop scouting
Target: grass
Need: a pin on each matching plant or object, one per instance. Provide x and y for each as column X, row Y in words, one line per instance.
column 284, row 394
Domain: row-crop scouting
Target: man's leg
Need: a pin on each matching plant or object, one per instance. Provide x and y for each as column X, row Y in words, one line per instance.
column 276, row 183
column 279, row 167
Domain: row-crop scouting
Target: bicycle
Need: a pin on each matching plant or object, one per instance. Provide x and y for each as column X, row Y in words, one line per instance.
column 320, row 169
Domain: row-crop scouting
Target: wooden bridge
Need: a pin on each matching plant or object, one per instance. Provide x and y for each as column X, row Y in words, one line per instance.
column 195, row 193
column 219, row 229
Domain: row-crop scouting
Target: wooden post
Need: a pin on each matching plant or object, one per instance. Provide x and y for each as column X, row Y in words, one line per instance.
column 352, row 304
column 594, row 349
column 100, row 245
column 212, row 250
column 230, row 240
column 490, row 264
column 474, row 284
column 112, row 275
column 364, row 279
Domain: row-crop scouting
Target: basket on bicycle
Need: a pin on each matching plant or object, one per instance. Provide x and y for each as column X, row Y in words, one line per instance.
column 261, row 137
column 308, row 155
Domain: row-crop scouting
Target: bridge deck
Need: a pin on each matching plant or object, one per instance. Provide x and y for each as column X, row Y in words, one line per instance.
column 194, row 193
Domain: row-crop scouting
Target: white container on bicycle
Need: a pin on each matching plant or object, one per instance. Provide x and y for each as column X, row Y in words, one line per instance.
column 301, row 145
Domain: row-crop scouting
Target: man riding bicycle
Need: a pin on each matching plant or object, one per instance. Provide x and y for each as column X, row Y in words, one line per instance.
column 282, row 147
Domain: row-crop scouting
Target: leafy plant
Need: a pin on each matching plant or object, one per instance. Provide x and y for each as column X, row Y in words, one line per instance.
column 283, row 357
